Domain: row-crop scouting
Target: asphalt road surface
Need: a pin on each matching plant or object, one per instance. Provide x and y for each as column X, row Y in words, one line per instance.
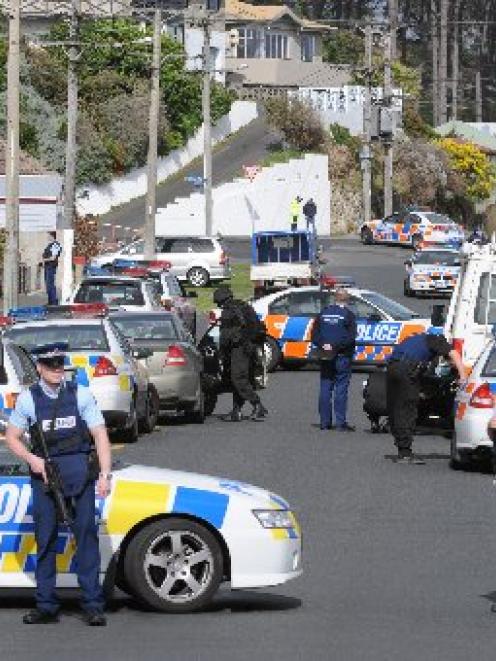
column 399, row 560
column 247, row 147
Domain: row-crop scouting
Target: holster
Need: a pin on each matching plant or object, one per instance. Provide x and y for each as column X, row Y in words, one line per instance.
column 93, row 466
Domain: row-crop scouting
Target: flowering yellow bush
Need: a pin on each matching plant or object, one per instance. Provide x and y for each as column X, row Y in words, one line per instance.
column 473, row 165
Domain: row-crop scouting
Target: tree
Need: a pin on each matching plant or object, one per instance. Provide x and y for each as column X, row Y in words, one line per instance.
column 298, row 124
column 473, row 165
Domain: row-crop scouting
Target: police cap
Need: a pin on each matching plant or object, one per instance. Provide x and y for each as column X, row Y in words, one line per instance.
column 51, row 355
column 222, row 294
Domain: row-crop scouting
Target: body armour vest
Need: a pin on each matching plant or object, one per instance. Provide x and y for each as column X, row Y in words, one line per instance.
column 414, row 348
column 70, row 434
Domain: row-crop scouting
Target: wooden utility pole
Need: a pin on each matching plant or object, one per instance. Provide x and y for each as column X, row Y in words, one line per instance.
column 443, row 62
column 388, row 145
column 393, row 23
column 435, row 63
column 455, row 63
column 478, row 97
column 366, row 155
column 207, row 129
column 151, row 194
column 11, row 256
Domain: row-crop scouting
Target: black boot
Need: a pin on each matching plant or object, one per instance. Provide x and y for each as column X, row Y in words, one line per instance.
column 37, row 616
column 259, row 411
column 233, row 416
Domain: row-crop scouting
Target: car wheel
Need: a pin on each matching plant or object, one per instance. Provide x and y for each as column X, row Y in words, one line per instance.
column 130, row 434
column 210, row 402
column 198, row 277
column 174, row 566
column 406, row 289
column 197, row 415
column 152, row 409
column 366, row 236
column 416, row 241
column 273, row 353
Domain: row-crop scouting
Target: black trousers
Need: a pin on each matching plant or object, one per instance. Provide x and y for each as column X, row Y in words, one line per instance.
column 403, row 391
column 241, row 376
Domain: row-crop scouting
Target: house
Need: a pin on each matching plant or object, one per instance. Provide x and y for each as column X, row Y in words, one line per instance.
column 276, row 51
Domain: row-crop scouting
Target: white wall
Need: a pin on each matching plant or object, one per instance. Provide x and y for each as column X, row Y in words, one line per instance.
column 242, row 207
column 99, row 200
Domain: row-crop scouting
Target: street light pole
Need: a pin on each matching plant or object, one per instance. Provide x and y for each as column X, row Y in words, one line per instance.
column 11, row 258
column 367, row 121
column 388, row 156
column 207, row 129
column 151, row 195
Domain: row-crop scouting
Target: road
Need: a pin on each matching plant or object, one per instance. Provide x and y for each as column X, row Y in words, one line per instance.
column 399, row 560
column 247, row 147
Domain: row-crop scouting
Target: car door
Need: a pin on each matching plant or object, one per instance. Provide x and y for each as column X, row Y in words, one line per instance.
column 302, row 308
column 376, row 335
column 178, row 252
column 409, row 227
column 384, row 231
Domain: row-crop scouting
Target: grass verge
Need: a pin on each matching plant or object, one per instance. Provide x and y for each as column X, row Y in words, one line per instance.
column 240, row 284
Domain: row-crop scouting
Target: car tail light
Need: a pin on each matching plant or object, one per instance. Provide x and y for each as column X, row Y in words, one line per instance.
column 482, row 397
column 87, row 309
column 5, row 321
column 104, row 367
column 223, row 258
column 175, row 356
column 458, row 345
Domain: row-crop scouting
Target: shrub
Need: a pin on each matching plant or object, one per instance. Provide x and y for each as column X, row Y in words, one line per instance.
column 298, row 124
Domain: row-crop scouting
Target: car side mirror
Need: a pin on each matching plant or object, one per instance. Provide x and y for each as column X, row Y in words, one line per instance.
column 142, row 353
column 192, row 294
column 437, row 316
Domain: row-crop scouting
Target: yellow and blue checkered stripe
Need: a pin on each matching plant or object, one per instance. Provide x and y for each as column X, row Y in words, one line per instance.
column 85, row 364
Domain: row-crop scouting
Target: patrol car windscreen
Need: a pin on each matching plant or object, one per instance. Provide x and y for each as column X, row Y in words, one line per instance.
column 395, row 310
column 441, row 257
column 79, row 338
column 490, row 366
column 146, row 327
column 437, row 218
column 110, row 293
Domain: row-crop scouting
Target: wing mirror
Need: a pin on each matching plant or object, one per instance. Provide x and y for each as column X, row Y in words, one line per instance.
column 142, row 353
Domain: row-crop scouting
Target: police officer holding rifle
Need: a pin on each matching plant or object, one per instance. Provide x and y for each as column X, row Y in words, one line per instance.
column 69, row 456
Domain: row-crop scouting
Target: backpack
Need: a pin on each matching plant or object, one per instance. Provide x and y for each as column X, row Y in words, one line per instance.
column 253, row 328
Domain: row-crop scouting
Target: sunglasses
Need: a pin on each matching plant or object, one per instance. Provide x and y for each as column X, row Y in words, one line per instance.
column 53, row 363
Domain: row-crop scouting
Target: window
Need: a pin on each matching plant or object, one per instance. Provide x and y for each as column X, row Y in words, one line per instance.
column 364, row 310
column 276, row 46
column 443, row 257
column 483, row 313
column 305, row 303
column 154, row 291
column 80, row 337
column 23, row 365
column 389, row 307
column 307, row 47
column 202, row 245
column 146, row 327
column 171, row 286
column 110, row 293
column 249, row 43
column 279, row 306
column 490, row 366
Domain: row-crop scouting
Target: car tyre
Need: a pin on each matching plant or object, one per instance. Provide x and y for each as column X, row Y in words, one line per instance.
column 198, row 277
column 456, row 462
column 131, row 433
column 197, row 415
column 366, row 236
column 407, row 291
column 272, row 352
column 152, row 410
column 174, row 565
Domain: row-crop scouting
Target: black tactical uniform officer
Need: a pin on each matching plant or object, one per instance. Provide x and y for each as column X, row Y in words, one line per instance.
column 238, row 330
column 406, row 364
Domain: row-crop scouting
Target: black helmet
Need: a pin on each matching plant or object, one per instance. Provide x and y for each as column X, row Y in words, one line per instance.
column 222, row 294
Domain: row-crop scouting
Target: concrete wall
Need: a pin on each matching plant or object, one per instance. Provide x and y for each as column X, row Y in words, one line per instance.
column 242, row 207
column 99, row 200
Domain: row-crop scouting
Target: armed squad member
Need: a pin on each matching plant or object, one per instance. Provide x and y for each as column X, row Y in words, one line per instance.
column 406, row 365
column 239, row 328
column 333, row 341
column 70, row 421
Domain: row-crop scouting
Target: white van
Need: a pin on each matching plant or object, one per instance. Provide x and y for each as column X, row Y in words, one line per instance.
column 472, row 311
column 197, row 259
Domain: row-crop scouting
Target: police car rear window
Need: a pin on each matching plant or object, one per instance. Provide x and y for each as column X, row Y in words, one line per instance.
column 146, row 327
column 79, row 338
column 110, row 293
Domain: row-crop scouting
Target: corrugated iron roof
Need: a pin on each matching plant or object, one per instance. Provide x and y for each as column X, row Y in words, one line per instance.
column 235, row 9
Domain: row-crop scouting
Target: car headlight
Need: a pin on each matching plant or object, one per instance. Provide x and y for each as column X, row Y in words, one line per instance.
column 274, row 518
column 420, row 278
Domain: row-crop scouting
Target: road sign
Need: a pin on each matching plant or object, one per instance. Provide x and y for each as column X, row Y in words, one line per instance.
column 195, row 179
column 251, row 171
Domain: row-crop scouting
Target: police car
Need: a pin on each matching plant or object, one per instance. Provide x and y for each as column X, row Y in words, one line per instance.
column 168, row 538
column 432, row 271
column 474, row 406
column 99, row 357
column 289, row 317
column 17, row 370
column 118, row 291
column 411, row 228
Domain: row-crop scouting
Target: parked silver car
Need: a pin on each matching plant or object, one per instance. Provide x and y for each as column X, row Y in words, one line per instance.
column 174, row 364
column 196, row 259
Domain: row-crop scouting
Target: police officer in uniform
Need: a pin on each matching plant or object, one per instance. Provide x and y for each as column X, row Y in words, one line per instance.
column 237, row 349
column 50, row 258
column 406, row 365
column 73, row 427
column 333, row 338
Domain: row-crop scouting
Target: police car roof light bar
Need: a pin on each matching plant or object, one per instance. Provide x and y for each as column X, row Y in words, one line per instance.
column 30, row 313
column 158, row 264
column 6, row 321
column 135, row 272
column 78, row 310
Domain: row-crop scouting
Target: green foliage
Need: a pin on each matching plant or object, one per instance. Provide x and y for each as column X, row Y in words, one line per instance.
column 280, row 156
column 414, row 125
column 3, row 64
column 298, row 124
column 343, row 47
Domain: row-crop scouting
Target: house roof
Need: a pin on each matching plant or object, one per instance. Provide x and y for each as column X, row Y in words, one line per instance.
column 469, row 133
column 236, row 10
column 27, row 164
